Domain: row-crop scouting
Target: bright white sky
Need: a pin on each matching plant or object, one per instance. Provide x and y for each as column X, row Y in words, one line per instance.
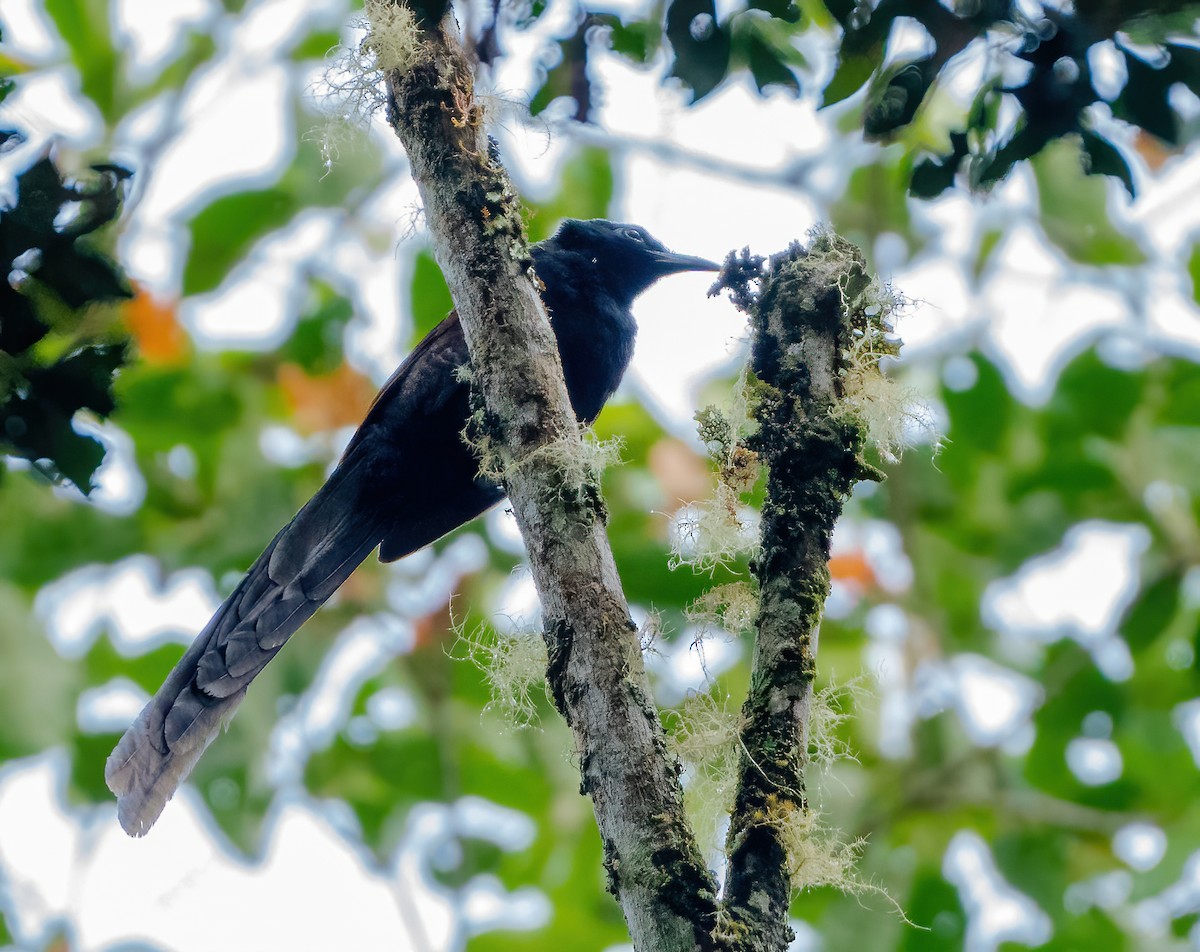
column 1033, row 310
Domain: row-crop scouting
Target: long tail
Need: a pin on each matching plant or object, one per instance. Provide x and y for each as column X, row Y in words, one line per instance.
column 304, row 564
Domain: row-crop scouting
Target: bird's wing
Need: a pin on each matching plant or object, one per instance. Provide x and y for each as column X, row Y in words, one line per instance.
column 424, row 384
column 304, row 564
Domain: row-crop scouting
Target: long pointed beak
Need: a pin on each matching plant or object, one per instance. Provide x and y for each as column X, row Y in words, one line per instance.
column 668, row 263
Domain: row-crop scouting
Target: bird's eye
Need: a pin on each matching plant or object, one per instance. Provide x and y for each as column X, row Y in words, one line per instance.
column 635, row 235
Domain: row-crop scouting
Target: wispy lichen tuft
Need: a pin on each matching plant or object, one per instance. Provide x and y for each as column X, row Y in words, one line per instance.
column 732, row 606
column 393, row 38
column 717, row 531
column 816, row 855
column 704, row 736
column 895, row 415
column 831, row 707
column 514, row 665
column 352, row 88
column 576, row 462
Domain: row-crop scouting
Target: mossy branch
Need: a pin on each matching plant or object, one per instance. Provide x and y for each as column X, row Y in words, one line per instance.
column 811, row 310
column 595, row 670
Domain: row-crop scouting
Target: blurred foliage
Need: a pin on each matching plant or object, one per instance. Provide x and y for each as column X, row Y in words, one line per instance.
column 1038, row 60
column 58, row 355
column 1116, row 442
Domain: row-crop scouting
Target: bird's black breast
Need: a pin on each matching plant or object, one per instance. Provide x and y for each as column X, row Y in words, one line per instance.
column 595, row 330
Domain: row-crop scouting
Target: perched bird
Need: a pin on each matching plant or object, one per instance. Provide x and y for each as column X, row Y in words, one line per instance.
column 406, row 478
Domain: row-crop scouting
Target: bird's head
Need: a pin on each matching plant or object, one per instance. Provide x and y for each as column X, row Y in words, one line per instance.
column 627, row 258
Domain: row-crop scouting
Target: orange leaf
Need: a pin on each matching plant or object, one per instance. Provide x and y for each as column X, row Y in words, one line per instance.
column 435, row 628
column 682, row 473
column 1152, row 149
column 852, row 567
column 154, row 327
column 325, row 401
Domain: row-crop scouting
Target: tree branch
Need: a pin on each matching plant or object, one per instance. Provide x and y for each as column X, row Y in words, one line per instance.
column 595, row 671
column 811, row 442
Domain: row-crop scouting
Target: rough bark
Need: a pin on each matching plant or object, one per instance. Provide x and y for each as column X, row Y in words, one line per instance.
column 812, row 449
column 595, row 670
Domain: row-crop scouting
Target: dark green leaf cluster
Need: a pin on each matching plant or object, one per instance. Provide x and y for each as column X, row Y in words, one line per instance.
column 1054, row 96
column 704, row 50
column 46, row 372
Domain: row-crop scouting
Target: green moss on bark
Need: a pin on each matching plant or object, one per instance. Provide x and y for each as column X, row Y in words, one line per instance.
column 808, row 320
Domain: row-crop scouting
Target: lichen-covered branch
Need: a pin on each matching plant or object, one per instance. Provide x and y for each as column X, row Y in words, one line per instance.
column 810, row 436
column 595, row 668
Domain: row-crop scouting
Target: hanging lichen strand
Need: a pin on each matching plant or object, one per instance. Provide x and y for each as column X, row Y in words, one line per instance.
column 820, row 326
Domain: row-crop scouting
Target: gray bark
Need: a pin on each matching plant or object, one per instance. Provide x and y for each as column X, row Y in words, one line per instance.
column 595, row 670
column 802, row 332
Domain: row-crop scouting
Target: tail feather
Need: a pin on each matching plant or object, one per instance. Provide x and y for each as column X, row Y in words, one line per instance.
column 300, row 569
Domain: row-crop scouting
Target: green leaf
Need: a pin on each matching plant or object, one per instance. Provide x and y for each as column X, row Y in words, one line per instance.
column 79, row 276
column 568, row 78
column 198, row 49
column 875, row 201
column 1184, row 66
column 894, row 104
column 1033, row 859
column 1152, row 612
column 637, row 41
column 933, row 906
column 1180, row 393
column 987, row 246
column 851, row 74
column 316, row 46
column 316, row 343
column 20, row 328
column 1074, row 210
column 1093, row 397
column 37, row 688
column 429, row 297
column 36, row 431
column 1091, row 930
column 224, row 232
column 1079, row 691
column 931, row 177
column 765, row 64
column 1143, row 100
column 35, row 423
column 84, row 25
column 585, row 191
column 1101, row 157
column 82, row 380
column 701, row 45
column 786, row 10
column 30, row 222
column 1193, row 268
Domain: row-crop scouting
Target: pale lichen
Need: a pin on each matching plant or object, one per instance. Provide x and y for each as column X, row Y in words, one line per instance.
column 817, row 855
column 831, row 707
column 575, row 461
column 393, row 37
column 513, row 664
column 703, row 735
column 731, row 607
column 352, row 89
column 894, row 414
column 718, row 531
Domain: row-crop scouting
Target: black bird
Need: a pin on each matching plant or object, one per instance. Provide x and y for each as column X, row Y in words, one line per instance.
column 405, row 479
